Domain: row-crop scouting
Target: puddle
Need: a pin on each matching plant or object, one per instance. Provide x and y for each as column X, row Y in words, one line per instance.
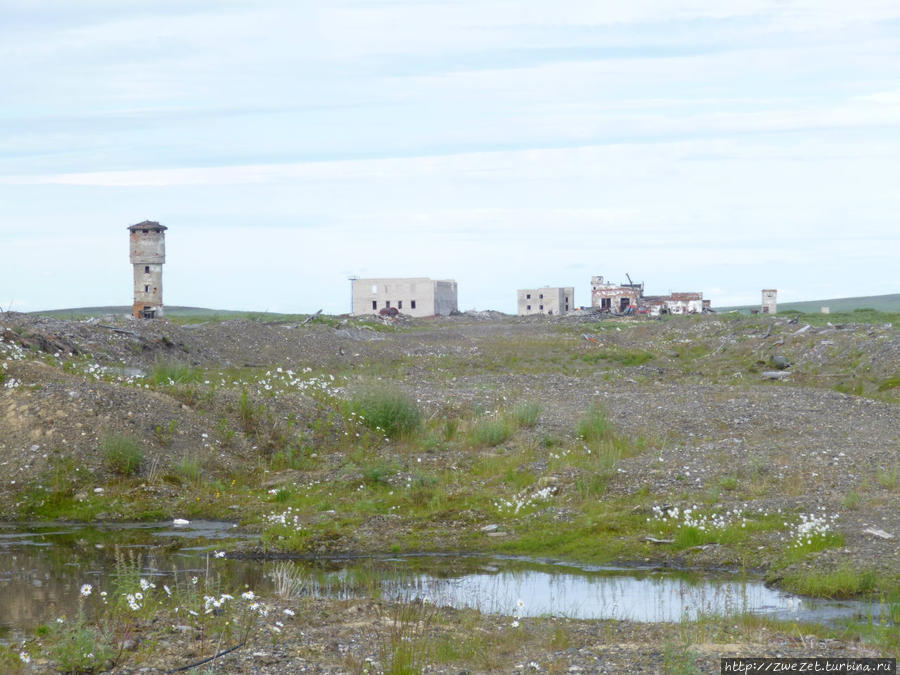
column 43, row 566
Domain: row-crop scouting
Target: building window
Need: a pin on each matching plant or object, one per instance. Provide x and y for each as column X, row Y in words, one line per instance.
column 146, row 289
column 143, row 231
column 387, row 303
column 374, row 304
column 541, row 296
column 528, row 296
column 542, row 308
column 399, row 304
column 146, row 269
column 412, row 304
column 528, row 307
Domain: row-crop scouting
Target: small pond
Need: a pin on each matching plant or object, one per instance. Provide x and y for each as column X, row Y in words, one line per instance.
column 43, row 566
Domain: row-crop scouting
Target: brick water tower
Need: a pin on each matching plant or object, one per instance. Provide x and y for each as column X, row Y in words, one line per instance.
column 148, row 253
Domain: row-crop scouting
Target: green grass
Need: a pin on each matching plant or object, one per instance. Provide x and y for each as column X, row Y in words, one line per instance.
column 166, row 373
column 388, row 410
column 122, row 454
column 844, row 582
column 594, row 426
column 489, row 432
column 526, row 414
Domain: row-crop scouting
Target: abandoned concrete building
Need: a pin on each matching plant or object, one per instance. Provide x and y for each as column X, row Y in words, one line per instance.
column 609, row 297
column 629, row 298
column 547, row 300
column 769, row 301
column 148, row 253
column 417, row 296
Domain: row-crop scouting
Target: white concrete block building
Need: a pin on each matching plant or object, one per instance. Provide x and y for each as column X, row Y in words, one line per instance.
column 417, row 296
column 548, row 300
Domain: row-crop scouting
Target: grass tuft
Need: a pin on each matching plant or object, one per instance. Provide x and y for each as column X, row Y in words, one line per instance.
column 526, row 414
column 388, row 410
column 122, row 454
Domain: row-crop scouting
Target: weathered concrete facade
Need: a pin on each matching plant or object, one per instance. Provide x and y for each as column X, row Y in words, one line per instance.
column 148, row 254
column 610, row 297
column 417, row 296
column 547, row 300
column 769, row 301
column 630, row 298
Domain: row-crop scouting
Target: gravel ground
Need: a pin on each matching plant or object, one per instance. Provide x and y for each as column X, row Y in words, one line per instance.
column 794, row 444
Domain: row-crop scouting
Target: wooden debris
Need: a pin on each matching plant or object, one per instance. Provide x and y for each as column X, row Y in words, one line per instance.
column 654, row 540
column 875, row 532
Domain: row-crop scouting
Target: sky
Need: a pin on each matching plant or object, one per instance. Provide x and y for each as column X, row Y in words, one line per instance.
column 695, row 145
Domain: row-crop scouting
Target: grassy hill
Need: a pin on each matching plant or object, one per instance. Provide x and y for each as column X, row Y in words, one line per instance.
column 881, row 303
column 173, row 312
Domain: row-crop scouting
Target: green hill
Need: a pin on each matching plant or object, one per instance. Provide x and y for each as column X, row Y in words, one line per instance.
column 174, row 312
column 881, row 303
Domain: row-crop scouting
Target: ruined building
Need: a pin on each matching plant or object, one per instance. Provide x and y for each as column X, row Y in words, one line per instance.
column 630, row 299
column 769, row 301
column 417, row 296
column 548, row 300
column 148, row 253
column 609, row 297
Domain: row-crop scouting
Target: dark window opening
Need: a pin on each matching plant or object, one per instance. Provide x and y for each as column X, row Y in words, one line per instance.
column 623, row 304
column 146, row 269
column 412, row 304
column 387, row 303
column 374, row 304
column 605, row 303
column 541, row 296
column 528, row 296
column 399, row 304
column 542, row 308
column 144, row 231
column 146, row 289
column 528, row 307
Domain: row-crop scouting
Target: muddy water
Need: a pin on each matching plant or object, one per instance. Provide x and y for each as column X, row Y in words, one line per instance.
column 42, row 568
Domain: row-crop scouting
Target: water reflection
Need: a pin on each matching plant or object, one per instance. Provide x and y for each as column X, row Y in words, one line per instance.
column 42, row 568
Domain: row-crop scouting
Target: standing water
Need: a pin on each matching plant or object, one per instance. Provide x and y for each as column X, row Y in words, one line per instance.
column 42, row 567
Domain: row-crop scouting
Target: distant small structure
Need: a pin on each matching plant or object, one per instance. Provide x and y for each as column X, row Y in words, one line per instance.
column 826, row 309
column 148, row 254
column 548, row 300
column 417, row 296
column 769, row 301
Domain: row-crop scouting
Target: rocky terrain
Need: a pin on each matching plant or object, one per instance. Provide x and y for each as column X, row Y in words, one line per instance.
column 770, row 418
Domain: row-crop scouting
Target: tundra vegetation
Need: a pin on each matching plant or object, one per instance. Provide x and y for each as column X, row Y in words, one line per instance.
column 615, row 441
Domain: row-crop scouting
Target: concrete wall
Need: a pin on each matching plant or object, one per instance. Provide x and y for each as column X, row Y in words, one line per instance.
column 547, row 300
column 769, row 301
column 419, row 296
column 445, row 297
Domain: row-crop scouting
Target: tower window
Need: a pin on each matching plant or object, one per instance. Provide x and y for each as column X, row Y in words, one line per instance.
column 146, row 269
column 146, row 289
column 374, row 304
column 399, row 304
column 387, row 303
column 412, row 304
